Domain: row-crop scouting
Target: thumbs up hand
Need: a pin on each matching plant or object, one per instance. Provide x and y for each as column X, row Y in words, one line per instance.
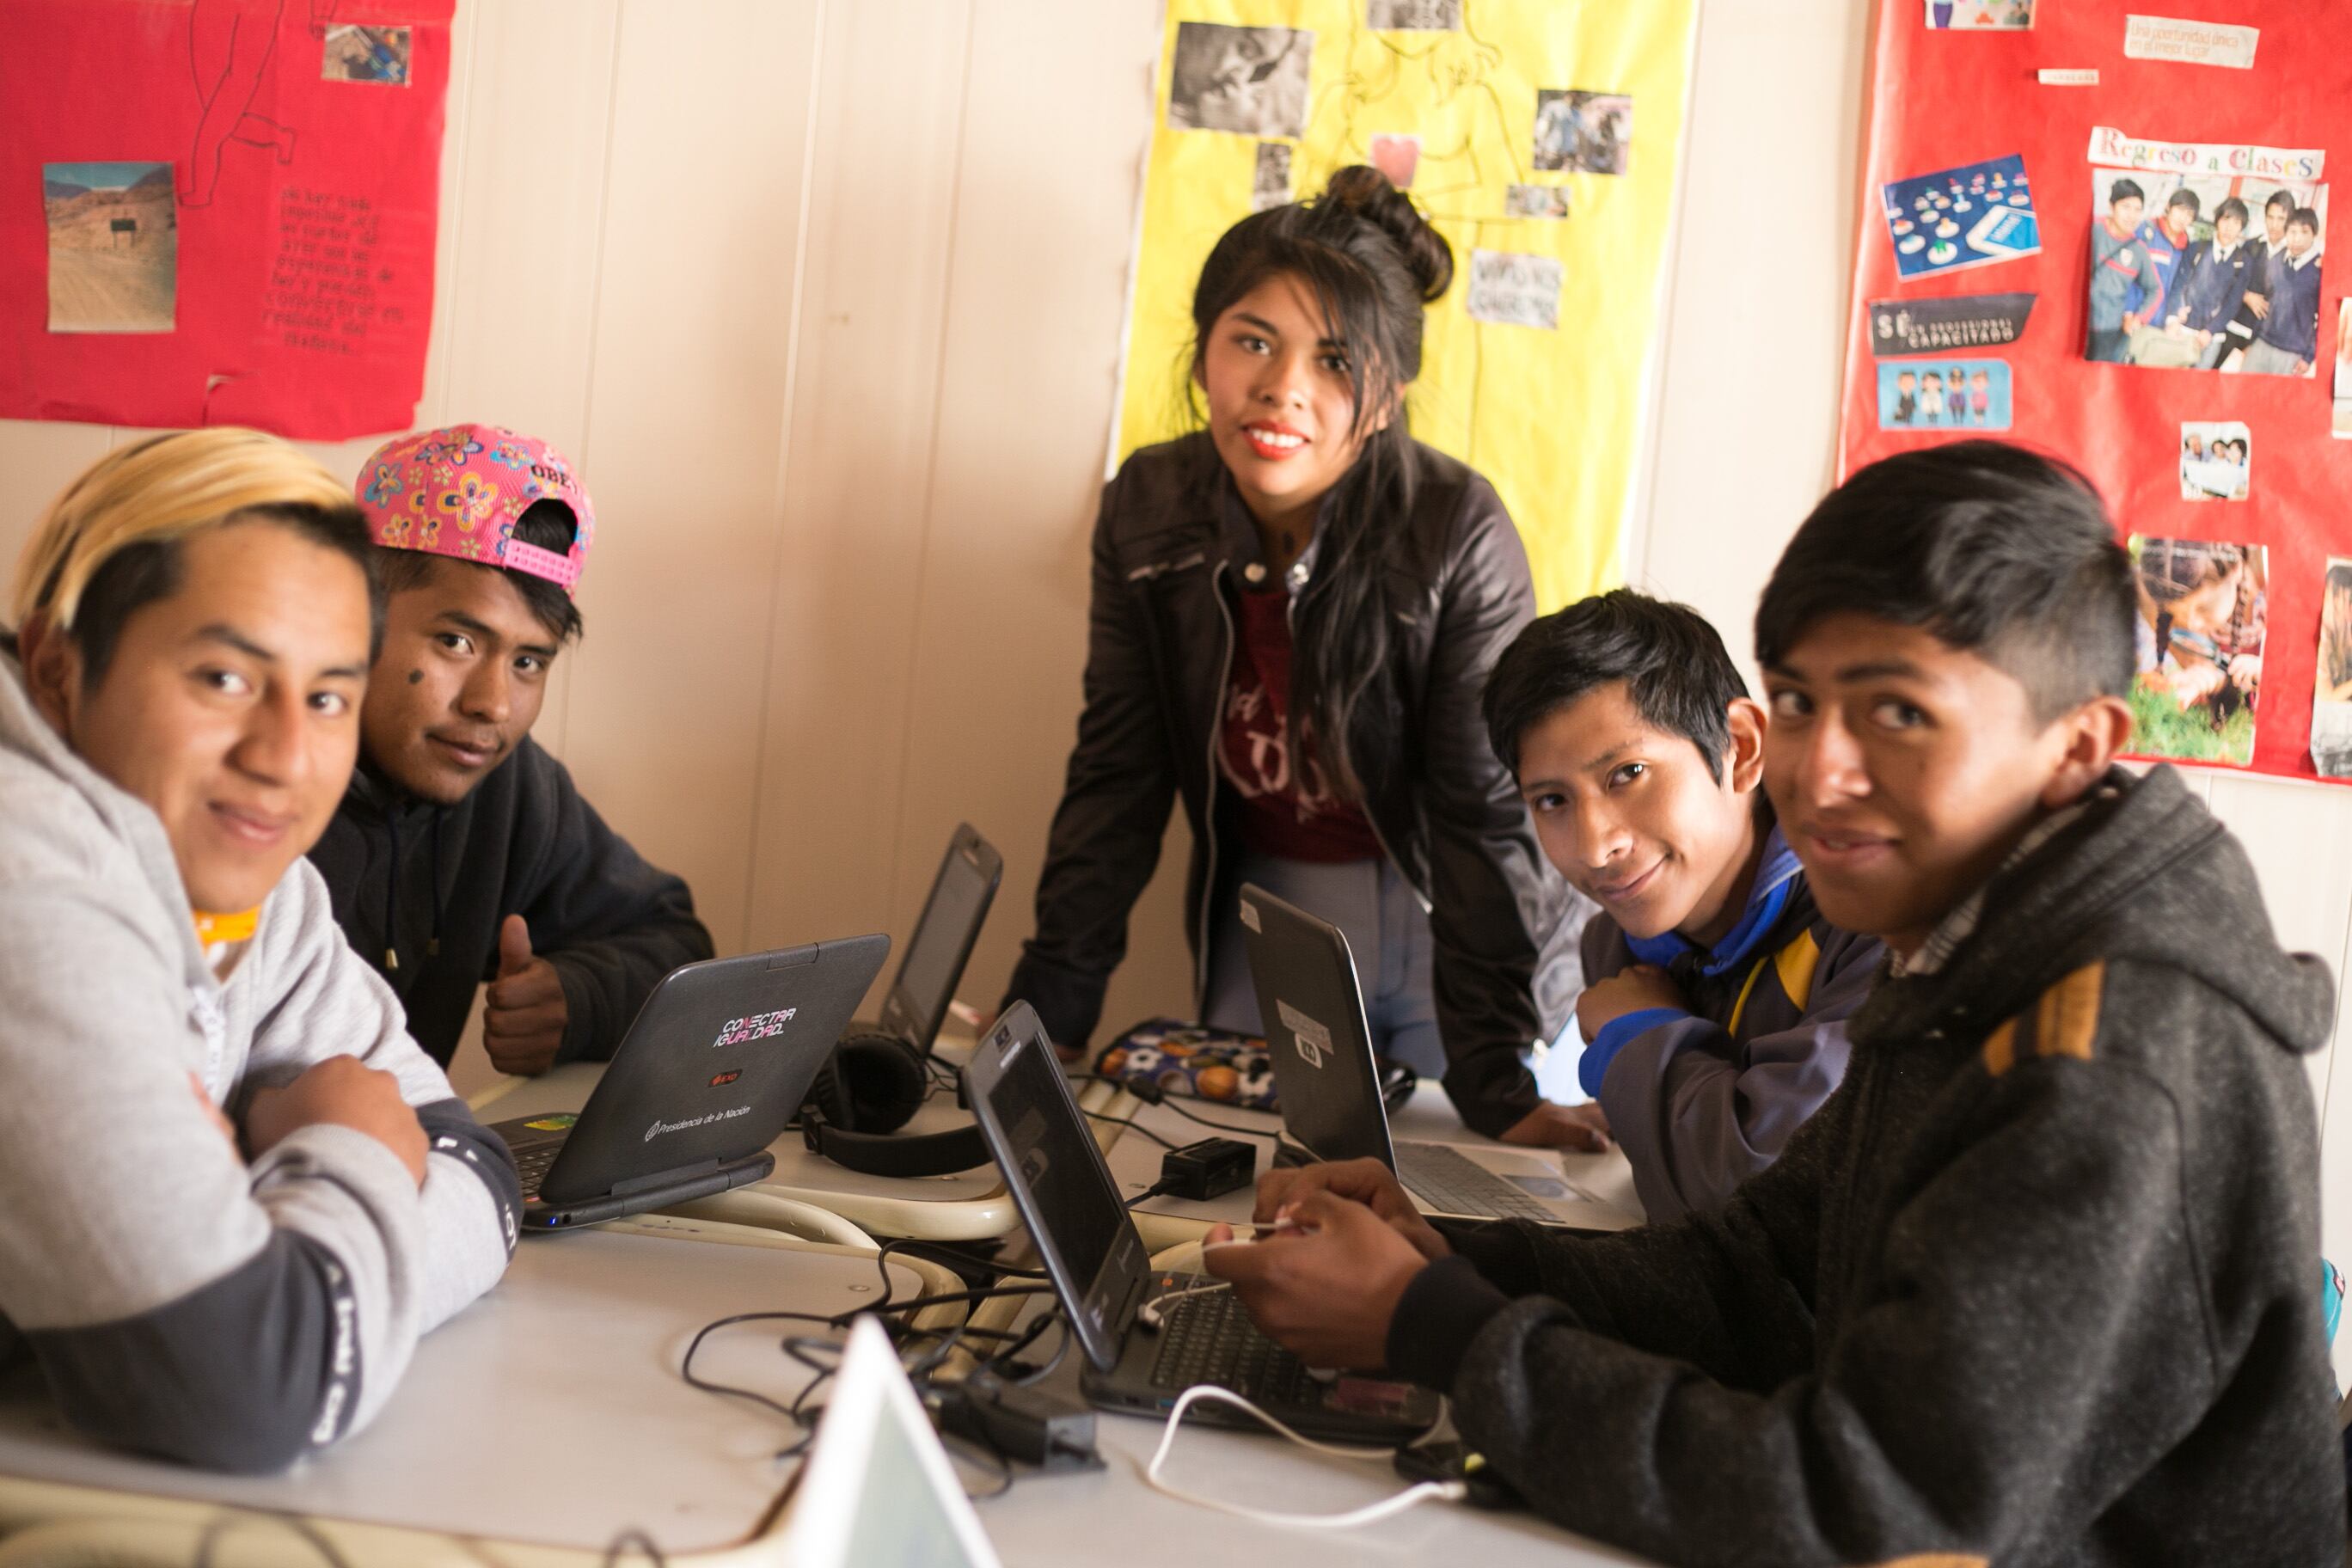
column 524, row 1014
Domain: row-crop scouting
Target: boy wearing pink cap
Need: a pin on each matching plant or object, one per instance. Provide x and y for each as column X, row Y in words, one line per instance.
column 462, row 853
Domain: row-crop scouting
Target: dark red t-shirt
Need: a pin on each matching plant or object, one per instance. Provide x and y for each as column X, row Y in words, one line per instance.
column 1294, row 812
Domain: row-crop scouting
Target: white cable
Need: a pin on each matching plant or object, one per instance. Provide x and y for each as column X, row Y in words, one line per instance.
column 1150, row 1313
column 1450, row 1491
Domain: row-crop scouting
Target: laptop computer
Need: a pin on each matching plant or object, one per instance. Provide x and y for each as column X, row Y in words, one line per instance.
column 877, row 1486
column 1103, row 1277
column 1328, row 1086
column 717, row 1061
column 922, row 990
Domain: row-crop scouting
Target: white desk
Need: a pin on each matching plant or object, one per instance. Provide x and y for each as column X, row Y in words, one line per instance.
column 535, row 1427
column 1110, row 1515
column 969, row 1206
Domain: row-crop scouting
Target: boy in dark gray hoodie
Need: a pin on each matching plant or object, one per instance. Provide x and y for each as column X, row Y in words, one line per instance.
column 463, row 853
column 2034, row 1285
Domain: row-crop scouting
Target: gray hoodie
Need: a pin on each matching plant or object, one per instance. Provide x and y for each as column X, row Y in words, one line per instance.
column 177, row 1299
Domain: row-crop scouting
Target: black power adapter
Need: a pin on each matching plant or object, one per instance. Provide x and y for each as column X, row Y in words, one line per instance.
column 1209, row 1169
column 1029, row 1425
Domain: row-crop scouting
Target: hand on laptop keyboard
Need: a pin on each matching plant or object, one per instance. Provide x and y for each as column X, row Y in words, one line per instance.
column 1365, row 1182
column 1325, row 1293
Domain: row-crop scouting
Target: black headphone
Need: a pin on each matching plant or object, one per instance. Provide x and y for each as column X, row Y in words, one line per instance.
column 870, row 1087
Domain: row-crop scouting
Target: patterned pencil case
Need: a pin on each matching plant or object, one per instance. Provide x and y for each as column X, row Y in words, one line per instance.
column 1191, row 1059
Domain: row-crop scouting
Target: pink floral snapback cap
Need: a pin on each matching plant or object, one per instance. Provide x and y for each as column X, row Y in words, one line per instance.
column 459, row 491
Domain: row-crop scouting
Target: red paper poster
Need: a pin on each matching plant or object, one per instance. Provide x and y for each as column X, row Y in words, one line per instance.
column 2105, row 233
column 218, row 212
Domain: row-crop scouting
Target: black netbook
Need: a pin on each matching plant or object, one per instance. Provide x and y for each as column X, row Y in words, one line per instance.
column 1097, row 1261
column 716, row 1064
column 924, row 987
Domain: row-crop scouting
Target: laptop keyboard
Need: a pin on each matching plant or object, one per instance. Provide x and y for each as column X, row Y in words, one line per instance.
column 531, row 1165
column 1450, row 1182
column 1209, row 1339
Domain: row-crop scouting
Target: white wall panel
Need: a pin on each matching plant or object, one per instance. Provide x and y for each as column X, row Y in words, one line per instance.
column 850, row 556
column 708, row 157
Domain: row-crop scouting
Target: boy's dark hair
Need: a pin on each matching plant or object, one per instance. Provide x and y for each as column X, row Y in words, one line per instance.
column 2124, row 190
column 548, row 524
column 2232, row 208
column 2308, row 217
column 2184, row 197
column 2280, row 199
column 140, row 575
column 1990, row 548
column 1675, row 667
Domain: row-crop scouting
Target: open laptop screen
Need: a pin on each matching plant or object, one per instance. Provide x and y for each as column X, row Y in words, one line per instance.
column 1316, row 1038
column 1057, row 1178
column 878, row 1488
column 935, row 954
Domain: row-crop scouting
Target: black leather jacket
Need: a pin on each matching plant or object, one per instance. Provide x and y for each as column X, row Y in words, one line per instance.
column 1160, row 641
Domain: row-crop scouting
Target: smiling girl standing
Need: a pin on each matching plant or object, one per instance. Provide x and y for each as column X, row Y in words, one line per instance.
column 1294, row 608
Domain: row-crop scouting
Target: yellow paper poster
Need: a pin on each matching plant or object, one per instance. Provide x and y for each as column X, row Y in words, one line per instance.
column 1541, row 138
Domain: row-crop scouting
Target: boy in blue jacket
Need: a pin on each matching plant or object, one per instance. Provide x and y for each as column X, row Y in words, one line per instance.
column 2288, row 339
column 1714, row 988
column 2212, row 281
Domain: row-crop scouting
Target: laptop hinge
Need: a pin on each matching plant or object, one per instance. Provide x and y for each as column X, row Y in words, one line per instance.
column 663, row 1179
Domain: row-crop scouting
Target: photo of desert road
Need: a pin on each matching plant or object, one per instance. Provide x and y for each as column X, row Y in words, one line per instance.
column 113, row 247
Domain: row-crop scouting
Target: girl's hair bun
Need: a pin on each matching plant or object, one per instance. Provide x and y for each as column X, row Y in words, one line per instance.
column 1365, row 192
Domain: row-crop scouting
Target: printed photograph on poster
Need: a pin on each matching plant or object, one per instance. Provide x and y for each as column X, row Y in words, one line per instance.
column 2205, row 257
column 1413, row 15
column 1981, row 15
column 1270, row 182
column 1900, row 328
column 2341, row 426
column 2331, row 682
column 1974, row 216
column 1590, row 132
column 2197, row 648
column 1397, row 156
column 1250, row 79
column 114, row 246
column 2217, row 460
column 365, row 54
column 1534, row 201
column 1512, row 289
column 1944, row 395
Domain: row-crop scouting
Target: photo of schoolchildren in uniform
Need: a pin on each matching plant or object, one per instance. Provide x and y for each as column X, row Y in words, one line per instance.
column 2203, row 607
column 1985, row 16
column 2216, row 461
column 1969, row 394
column 2205, row 272
column 2331, row 684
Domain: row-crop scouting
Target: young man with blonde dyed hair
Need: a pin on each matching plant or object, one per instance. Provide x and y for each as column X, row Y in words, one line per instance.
column 233, row 1192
